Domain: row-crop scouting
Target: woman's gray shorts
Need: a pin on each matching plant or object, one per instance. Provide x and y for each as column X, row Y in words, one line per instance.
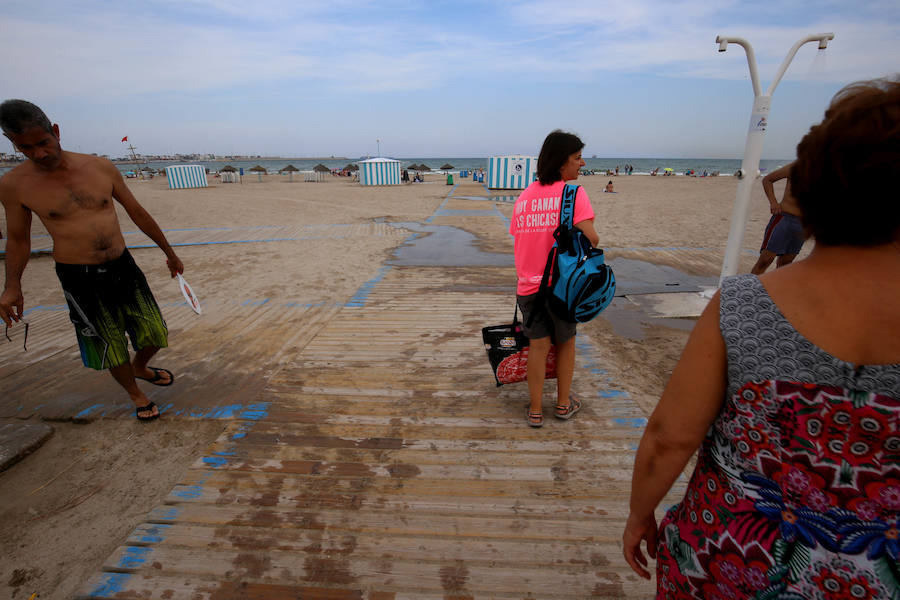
column 545, row 322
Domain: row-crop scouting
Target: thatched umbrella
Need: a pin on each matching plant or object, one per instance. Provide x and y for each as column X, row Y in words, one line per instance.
column 259, row 171
column 291, row 169
column 320, row 170
column 424, row 167
column 446, row 166
column 413, row 167
column 227, row 169
column 351, row 167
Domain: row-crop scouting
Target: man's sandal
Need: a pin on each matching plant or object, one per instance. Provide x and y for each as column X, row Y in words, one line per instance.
column 157, row 377
column 535, row 419
column 568, row 411
column 148, row 408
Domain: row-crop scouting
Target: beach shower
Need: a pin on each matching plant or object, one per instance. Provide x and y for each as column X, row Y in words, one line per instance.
column 759, row 117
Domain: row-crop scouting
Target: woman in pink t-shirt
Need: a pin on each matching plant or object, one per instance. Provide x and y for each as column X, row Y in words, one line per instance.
column 535, row 217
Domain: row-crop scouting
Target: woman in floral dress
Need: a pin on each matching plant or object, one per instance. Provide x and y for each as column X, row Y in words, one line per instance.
column 790, row 387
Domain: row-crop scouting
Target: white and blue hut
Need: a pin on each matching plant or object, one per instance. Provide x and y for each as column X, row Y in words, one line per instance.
column 511, row 172
column 379, row 171
column 186, row 176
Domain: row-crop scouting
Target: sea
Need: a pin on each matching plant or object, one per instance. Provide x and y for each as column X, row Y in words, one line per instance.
column 642, row 166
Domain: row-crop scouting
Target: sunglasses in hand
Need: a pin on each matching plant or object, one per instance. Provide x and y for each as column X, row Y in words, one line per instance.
column 24, row 341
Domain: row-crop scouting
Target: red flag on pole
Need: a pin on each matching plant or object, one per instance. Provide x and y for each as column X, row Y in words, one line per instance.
column 125, row 139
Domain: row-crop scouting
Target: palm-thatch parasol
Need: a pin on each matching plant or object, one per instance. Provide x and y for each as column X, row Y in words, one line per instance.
column 291, row 169
column 351, row 167
column 413, row 167
column 259, row 171
column 320, row 170
column 424, row 167
column 227, row 169
column 446, row 167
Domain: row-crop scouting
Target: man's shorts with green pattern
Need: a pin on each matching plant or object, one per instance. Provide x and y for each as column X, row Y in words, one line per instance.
column 106, row 302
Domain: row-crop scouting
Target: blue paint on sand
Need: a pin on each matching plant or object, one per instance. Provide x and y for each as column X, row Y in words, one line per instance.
column 110, row 585
column 635, row 422
column 88, row 411
column 214, row 461
column 362, row 294
column 154, row 534
column 135, row 557
column 188, row 492
column 255, row 302
column 165, row 514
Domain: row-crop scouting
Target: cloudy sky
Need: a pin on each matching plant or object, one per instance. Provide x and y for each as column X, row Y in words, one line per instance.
column 641, row 78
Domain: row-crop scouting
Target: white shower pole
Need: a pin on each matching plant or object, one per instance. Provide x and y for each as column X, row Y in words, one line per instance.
column 759, row 117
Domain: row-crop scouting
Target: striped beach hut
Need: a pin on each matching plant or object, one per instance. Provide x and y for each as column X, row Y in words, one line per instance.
column 511, row 172
column 379, row 171
column 186, row 176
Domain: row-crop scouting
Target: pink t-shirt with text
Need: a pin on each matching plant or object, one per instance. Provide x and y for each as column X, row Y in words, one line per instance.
column 535, row 218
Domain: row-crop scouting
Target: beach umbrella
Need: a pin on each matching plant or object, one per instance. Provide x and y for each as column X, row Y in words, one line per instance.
column 320, row 170
column 424, row 167
column 446, row 166
column 413, row 167
column 351, row 167
column 227, row 169
column 291, row 169
column 259, row 171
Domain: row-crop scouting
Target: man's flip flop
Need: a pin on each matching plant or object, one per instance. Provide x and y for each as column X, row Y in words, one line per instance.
column 149, row 408
column 157, row 377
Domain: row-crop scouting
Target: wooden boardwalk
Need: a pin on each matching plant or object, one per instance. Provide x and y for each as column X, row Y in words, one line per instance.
column 381, row 462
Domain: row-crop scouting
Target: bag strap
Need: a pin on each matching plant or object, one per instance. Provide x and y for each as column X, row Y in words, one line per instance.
column 567, row 206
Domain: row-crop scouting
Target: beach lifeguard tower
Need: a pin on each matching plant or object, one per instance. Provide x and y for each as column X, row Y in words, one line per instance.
column 511, row 172
column 379, row 171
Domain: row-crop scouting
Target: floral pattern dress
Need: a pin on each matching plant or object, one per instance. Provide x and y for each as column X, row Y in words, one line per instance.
column 796, row 491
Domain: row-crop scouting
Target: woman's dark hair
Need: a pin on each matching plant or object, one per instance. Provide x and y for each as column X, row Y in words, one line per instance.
column 557, row 148
column 18, row 115
column 848, row 167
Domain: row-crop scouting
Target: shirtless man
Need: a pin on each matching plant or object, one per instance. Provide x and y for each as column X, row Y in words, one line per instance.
column 784, row 234
column 72, row 194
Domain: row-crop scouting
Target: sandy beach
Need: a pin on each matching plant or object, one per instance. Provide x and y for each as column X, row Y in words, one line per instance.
column 251, row 247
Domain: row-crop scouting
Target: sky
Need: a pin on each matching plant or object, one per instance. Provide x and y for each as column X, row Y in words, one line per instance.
column 349, row 78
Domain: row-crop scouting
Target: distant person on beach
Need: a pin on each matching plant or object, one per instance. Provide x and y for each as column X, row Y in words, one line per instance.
column 784, row 235
column 72, row 194
column 535, row 217
column 790, row 387
column 609, row 187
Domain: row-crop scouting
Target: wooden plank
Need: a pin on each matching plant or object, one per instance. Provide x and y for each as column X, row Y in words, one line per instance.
column 199, row 537
column 114, row 586
column 444, row 504
column 232, row 481
column 386, row 572
column 250, row 448
column 590, row 529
